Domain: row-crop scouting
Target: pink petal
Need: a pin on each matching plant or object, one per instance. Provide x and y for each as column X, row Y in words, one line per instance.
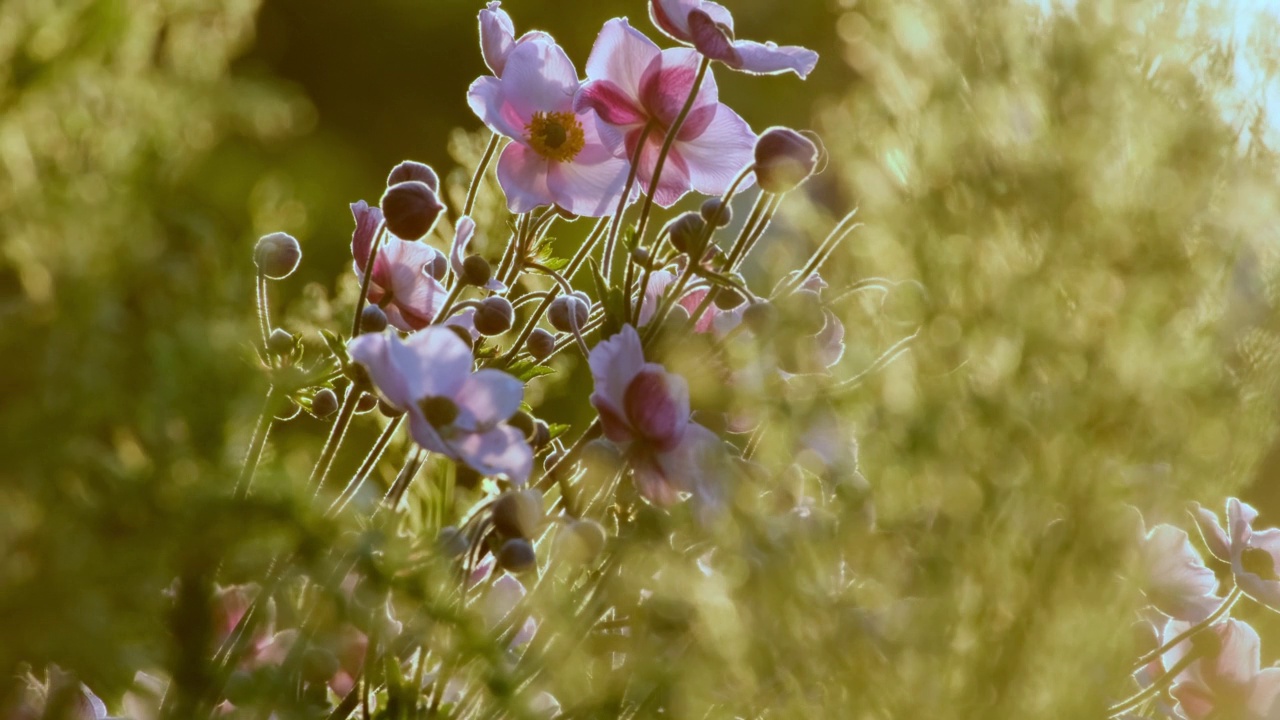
column 770, row 59
column 614, row 363
column 497, row 36
column 1215, row 538
column 651, row 480
column 375, row 352
column 620, row 56
column 1240, row 517
column 522, row 173
column 1194, row 700
column 590, row 184
column 718, row 13
column 462, row 235
column 831, row 342
column 486, row 398
column 437, row 362
column 667, row 82
column 674, row 182
column 659, row 280
column 425, row 435
column 657, row 406
column 1265, row 693
column 691, row 302
column 710, row 38
column 539, row 77
column 1237, row 662
column 694, row 465
column 1177, row 581
column 418, row 296
column 500, row 451
column 672, row 17
column 487, row 101
column 611, row 102
column 719, row 153
column 367, row 221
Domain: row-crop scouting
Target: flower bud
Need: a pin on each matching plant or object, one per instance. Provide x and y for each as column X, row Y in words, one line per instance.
column 760, row 317
column 541, row 434
column 540, row 344
column 716, row 213
column 372, row 319
column 494, row 316
column 410, row 209
column 476, row 271
column 411, row 170
column 641, row 257
column 685, row 233
column 366, row 403
column 319, row 664
column 728, row 298
column 581, row 541
column 568, row 312
column 280, row 342
column 517, row 556
column 277, row 255
column 324, row 404
column 784, row 159
column 522, row 421
column 518, row 514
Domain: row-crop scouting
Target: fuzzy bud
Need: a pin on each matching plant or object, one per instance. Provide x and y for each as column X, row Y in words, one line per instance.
column 641, row 257
column 476, row 271
column 410, row 209
column 518, row 514
column 716, row 213
column 494, row 316
column 568, row 312
column 280, row 342
column 581, row 541
column 372, row 319
column 277, row 255
column 760, row 317
column 784, row 159
column 325, row 403
column 728, row 298
column 540, row 344
column 366, row 403
column 541, row 434
column 411, row 170
column 517, row 556
column 685, row 233
column 522, row 421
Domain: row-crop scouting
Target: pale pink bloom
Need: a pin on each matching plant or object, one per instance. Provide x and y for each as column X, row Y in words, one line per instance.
column 645, row 410
column 1254, row 555
column 560, row 156
column 462, row 235
column 659, row 281
column 402, row 283
column 631, row 82
column 1174, row 577
column 498, row 37
column 499, row 599
column 452, row 411
column 1229, row 683
column 708, row 26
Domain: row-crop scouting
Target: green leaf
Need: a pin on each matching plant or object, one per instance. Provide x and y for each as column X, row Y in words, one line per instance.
column 526, row 370
column 336, row 345
column 555, row 264
column 557, row 429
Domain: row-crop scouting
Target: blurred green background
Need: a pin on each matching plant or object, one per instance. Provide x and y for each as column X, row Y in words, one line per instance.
column 1083, row 191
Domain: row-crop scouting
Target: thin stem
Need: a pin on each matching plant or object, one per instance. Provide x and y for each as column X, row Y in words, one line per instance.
column 559, row 474
column 474, row 188
column 879, row 364
column 331, row 445
column 616, row 225
column 367, row 279
column 837, row 235
column 1223, row 609
column 264, row 310
column 452, row 297
column 404, row 479
column 259, row 440
column 754, row 237
column 370, row 460
column 1155, row 688
column 528, row 298
column 757, row 209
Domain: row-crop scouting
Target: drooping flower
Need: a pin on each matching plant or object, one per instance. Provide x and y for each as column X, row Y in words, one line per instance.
column 632, row 83
column 1228, row 682
column 452, row 411
column 708, row 26
column 498, row 37
column 403, row 284
column 645, row 409
column 1174, row 577
column 560, row 156
column 462, row 235
column 1254, row 555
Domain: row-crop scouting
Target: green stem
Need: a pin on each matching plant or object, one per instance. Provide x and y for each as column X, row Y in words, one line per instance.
column 331, row 445
column 264, row 312
column 375, row 454
column 259, row 440
column 837, row 235
column 750, row 242
column 474, row 188
column 368, row 278
column 616, row 225
column 1223, row 609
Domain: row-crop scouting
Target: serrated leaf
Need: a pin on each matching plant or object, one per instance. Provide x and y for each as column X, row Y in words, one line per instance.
column 335, row 344
column 526, row 370
column 557, row 429
column 555, row 264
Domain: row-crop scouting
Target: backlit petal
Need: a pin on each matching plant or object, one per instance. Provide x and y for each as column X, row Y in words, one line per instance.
column 522, row 173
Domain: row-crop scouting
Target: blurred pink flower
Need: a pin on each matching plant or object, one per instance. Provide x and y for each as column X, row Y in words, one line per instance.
column 1228, row 683
column 402, row 284
column 632, row 82
column 1175, row 578
column 708, row 26
column 452, row 411
column 560, row 156
column 1254, row 555
column 645, row 409
column 498, row 36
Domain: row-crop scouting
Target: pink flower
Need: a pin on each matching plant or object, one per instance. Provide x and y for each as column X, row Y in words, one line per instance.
column 645, row 409
column 1254, row 556
column 659, row 281
column 708, row 26
column 560, row 156
column 403, row 283
column 631, row 82
column 1176, row 580
column 461, row 238
column 498, row 36
column 452, row 411
column 1228, row 683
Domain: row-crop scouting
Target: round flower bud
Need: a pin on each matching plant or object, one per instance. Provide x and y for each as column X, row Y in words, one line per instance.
column 641, row 257
column 240, row 689
column 581, row 541
column 518, row 514
column 439, row 266
column 325, row 403
column 541, row 434
column 476, row 271
column 728, row 299
column 540, row 344
column 524, row 422
column 280, row 342
column 760, row 317
column 389, row 410
column 567, row 312
column 716, row 213
column 452, row 542
column 517, row 556
column 366, row 403
column 410, row 209
column 462, row 333
column 784, row 159
column 372, row 319
column 494, row 316
column 411, row 170
column 277, row 255
column 685, row 233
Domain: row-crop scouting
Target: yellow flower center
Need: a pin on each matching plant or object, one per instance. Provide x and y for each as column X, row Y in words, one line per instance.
column 556, row 135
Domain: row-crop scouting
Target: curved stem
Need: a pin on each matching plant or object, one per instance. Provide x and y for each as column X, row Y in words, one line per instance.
column 474, row 188
column 837, row 235
column 368, row 278
column 334, row 441
column 1155, row 688
column 1223, row 609
column 770, row 208
column 264, row 311
column 375, row 454
column 616, row 225
column 256, row 444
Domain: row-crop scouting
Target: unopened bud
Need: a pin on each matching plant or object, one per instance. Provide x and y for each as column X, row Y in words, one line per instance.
column 728, row 298
column 685, row 233
column 540, row 344
column 541, row 434
column 524, row 422
column 517, row 556
column 372, row 319
column 277, row 255
column 494, row 316
column 324, row 403
column 641, row 257
column 518, row 513
column 319, row 664
column 366, row 403
column 784, row 159
column 760, row 317
column 413, row 170
column 410, row 209
column 581, row 541
column 716, row 213
column 568, row 312
column 280, row 342
column 476, row 271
